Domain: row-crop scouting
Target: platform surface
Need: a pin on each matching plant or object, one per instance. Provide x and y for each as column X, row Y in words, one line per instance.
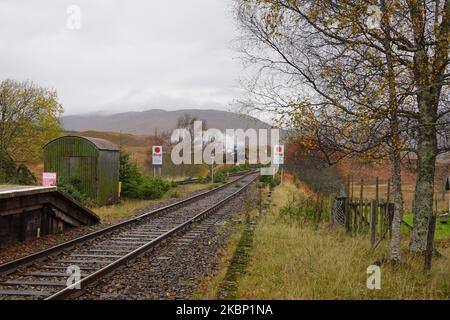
column 8, row 191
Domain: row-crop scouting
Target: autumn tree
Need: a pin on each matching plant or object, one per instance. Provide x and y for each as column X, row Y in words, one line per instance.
column 29, row 117
column 354, row 86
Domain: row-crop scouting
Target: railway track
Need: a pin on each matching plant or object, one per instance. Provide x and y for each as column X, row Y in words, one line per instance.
column 49, row 274
column 195, row 180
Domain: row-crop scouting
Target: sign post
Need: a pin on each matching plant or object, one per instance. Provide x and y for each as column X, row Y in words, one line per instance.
column 157, row 160
column 212, row 169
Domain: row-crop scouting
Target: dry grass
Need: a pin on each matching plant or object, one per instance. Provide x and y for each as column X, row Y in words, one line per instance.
column 293, row 261
column 127, row 207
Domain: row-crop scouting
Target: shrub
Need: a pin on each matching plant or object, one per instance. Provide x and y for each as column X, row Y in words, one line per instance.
column 303, row 209
column 25, row 176
column 236, row 168
column 72, row 187
column 136, row 185
column 10, row 174
column 270, row 181
column 219, row 177
column 154, row 188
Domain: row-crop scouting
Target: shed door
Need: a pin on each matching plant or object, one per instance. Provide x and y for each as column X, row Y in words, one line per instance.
column 82, row 171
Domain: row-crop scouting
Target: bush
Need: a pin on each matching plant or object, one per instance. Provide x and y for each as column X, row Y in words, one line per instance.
column 303, row 209
column 219, row 177
column 73, row 188
column 10, row 174
column 136, row 185
column 154, row 188
column 236, row 168
column 25, row 176
column 270, row 181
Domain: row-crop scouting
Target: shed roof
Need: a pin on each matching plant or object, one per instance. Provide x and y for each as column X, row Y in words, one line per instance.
column 100, row 144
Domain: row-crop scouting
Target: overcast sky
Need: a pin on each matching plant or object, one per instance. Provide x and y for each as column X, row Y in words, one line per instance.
column 127, row 55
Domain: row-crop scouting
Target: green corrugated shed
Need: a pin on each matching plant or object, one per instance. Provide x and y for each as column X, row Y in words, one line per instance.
column 91, row 163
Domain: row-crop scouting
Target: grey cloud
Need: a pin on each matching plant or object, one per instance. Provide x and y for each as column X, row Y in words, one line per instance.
column 128, row 54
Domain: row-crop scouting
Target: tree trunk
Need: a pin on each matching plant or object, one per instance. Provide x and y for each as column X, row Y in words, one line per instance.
column 396, row 141
column 398, row 209
column 427, row 152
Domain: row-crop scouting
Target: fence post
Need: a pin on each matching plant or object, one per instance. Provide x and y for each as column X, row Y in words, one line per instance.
column 347, row 216
column 367, row 212
column 373, row 222
column 430, row 245
column 353, row 189
column 361, row 207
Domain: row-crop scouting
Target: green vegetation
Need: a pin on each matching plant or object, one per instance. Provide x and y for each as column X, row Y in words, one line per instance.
column 30, row 118
column 136, row 185
column 236, row 168
column 442, row 229
column 219, row 177
column 270, row 180
column 11, row 174
column 73, row 188
column 303, row 209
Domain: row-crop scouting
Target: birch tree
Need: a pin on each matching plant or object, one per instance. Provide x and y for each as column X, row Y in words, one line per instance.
column 354, row 86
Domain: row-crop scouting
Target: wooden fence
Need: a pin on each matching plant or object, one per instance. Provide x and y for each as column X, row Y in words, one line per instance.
column 372, row 217
column 359, row 215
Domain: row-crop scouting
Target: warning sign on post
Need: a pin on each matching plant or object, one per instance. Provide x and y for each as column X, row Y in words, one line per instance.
column 49, row 179
column 278, row 155
column 157, row 155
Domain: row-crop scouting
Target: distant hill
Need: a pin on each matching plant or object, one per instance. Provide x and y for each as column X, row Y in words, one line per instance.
column 146, row 122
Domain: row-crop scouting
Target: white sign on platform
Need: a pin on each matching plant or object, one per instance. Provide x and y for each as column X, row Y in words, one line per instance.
column 49, row 179
column 278, row 155
column 157, row 155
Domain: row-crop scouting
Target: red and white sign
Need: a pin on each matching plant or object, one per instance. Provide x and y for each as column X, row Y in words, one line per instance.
column 49, row 179
column 157, row 155
column 278, row 155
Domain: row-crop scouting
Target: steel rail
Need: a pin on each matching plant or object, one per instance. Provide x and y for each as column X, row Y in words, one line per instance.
column 94, row 277
column 195, row 180
column 13, row 265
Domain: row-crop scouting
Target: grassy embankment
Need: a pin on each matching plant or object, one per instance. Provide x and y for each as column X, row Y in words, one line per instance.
column 293, row 260
column 127, row 207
